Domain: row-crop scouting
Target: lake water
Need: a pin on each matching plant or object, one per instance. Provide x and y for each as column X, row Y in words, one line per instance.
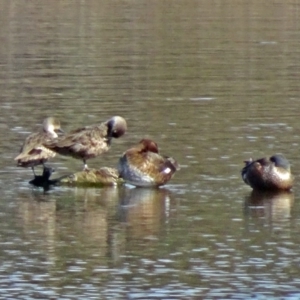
column 213, row 83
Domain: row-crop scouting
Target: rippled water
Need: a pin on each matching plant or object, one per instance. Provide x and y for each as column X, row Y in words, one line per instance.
column 213, row 83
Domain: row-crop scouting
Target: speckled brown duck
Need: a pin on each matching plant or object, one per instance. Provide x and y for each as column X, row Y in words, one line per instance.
column 142, row 165
column 270, row 174
column 90, row 141
column 33, row 152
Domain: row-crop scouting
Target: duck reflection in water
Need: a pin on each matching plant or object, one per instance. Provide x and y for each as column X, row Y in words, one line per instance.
column 144, row 210
column 37, row 214
column 143, row 166
column 268, row 174
column 273, row 206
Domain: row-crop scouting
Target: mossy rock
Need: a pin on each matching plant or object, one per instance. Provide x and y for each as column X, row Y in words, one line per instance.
column 92, row 177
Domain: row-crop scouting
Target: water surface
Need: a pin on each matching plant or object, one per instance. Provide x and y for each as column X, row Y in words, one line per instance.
column 213, row 83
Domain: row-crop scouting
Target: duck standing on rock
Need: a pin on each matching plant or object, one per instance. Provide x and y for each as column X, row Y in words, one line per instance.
column 270, row 174
column 33, row 152
column 142, row 165
column 90, row 141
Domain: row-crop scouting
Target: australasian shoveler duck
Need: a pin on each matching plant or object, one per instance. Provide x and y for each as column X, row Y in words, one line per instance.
column 272, row 173
column 33, row 152
column 142, row 165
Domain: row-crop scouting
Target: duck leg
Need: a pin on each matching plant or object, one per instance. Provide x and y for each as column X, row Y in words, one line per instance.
column 85, row 166
column 32, row 168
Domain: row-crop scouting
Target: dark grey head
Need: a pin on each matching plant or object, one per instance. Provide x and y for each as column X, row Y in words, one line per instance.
column 280, row 161
column 117, row 126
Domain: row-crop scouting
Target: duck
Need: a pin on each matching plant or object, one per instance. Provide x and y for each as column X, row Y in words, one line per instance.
column 32, row 152
column 44, row 179
column 90, row 141
column 268, row 173
column 143, row 166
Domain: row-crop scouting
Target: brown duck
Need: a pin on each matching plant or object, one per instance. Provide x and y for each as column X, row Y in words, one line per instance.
column 33, row 152
column 268, row 173
column 90, row 141
column 142, row 165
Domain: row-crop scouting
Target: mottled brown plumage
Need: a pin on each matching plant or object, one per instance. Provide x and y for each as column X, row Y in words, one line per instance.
column 90, row 141
column 270, row 174
column 33, row 152
column 142, row 165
